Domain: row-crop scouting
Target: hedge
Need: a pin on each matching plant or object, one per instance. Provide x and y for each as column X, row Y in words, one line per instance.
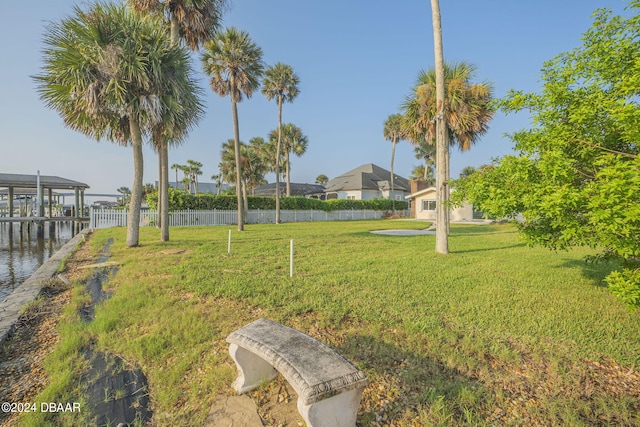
column 181, row 200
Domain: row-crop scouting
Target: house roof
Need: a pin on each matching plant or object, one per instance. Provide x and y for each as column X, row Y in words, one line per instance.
column 296, row 189
column 367, row 177
column 421, row 192
column 46, row 181
column 203, row 187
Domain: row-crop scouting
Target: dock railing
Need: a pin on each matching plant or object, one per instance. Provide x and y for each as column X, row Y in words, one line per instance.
column 105, row 218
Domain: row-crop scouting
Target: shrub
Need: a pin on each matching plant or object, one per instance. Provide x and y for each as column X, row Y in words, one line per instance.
column 625, row 285
column 182, row 200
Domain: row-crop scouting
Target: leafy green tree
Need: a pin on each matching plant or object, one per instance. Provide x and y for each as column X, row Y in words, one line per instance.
column 193, row 21
column 393, row 131
column 148, row 189
column 575, row 177
column 281, row 83
column 322, row 179
column 234, row 63
column 112, row 74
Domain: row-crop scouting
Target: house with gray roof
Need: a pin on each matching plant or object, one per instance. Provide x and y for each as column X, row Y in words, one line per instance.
column 367, row 182
column 314, row 191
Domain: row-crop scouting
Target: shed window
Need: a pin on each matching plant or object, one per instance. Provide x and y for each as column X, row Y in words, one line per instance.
column 428, row 205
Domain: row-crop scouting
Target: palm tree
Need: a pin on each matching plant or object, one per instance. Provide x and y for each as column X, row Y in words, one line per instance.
column 425, row 173
column 393, row 131
column 253, row 166
column 442, row 143
column 466, row 106
column 281, row 83
column 126, row 192
column 193, row 21
column 114, row 75
column 322, row 179
column 176, row 167
column 292, row 140
column 217, row 178
column 194, row 169
column 186, row 178
column 426, row 152
column 466, row 115
column 467, row 171
column 234, row 63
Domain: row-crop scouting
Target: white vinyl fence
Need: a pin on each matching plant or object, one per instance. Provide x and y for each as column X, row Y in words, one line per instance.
column 104, row 218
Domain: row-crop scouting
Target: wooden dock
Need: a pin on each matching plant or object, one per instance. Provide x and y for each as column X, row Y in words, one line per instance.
column 38, row 219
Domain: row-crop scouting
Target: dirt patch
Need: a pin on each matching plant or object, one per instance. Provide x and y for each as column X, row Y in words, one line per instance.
column 278, row 404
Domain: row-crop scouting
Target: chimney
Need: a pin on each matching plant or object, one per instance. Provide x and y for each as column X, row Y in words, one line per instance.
column 418, row 185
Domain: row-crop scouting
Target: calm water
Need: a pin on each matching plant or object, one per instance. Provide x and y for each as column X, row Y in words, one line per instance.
column 22, row 253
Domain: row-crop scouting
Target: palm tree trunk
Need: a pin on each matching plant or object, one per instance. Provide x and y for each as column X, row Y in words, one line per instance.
column 174, row 24
column 447, row 189
column 133, row 218
column 287, row 154
column 159, row 212
column 393, row 156
column 245, row 201
column 163, row 157
column 278, row 159
column 236, row 145
column 164, row 178
column 442, row 143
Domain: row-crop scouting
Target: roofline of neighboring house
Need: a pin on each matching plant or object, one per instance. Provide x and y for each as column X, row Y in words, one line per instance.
column 420, row 193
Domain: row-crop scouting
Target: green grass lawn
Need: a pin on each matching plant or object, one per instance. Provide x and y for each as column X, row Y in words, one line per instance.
column 495, row 332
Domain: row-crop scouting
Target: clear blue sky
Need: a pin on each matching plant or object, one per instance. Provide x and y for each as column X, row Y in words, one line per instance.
column 356, row 59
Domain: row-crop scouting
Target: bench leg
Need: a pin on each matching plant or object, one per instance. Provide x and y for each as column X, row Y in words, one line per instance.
column 337, row 411
column 253, row 369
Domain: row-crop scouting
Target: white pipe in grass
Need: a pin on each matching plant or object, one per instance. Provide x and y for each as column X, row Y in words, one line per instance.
column 291, row 259
column 229, row 243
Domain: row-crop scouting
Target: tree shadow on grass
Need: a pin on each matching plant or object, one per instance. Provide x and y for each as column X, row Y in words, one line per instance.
column 594, row 271
column 487, row 249
column 407, row 387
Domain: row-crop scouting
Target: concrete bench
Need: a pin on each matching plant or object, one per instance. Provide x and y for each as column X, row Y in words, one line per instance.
column 329, row 387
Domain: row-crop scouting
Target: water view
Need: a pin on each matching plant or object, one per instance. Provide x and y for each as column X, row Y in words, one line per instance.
column 23, row 252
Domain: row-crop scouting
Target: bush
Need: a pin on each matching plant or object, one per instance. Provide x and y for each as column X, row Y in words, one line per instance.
column 625, row 285
column 182, row 200
column 373, row 204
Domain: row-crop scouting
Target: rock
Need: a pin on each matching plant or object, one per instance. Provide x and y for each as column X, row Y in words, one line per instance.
column 233, row 411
